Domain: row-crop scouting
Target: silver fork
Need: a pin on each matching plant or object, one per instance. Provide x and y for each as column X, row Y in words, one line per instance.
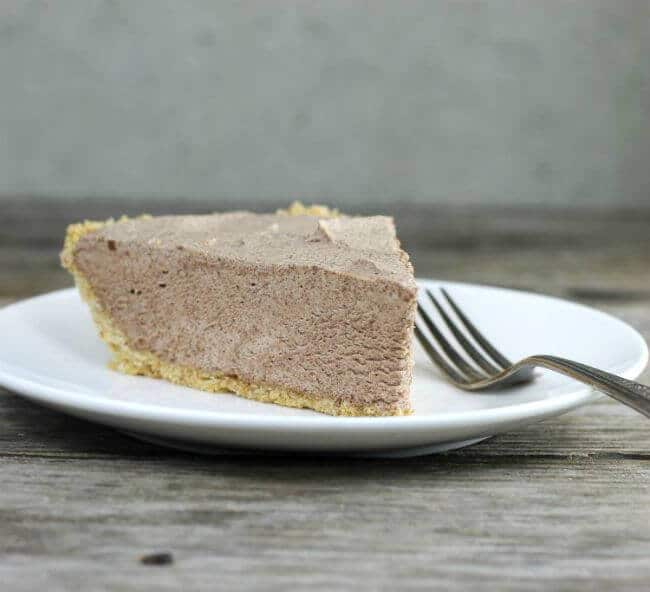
column 478, row 364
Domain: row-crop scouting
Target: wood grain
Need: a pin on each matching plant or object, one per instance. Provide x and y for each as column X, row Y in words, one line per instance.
column 560, row 505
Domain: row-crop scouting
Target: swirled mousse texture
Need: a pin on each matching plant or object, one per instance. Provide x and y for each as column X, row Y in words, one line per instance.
column 300, row 310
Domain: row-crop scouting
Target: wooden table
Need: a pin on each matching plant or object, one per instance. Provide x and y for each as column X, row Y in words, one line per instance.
column 561, row 505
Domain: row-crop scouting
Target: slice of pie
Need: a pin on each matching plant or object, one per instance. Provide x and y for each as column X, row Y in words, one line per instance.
column 302, row 308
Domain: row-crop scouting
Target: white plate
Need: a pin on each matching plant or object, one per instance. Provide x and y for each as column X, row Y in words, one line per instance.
column 50, row 353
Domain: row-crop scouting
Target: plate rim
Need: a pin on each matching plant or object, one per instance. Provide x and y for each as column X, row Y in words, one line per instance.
column 476, row 418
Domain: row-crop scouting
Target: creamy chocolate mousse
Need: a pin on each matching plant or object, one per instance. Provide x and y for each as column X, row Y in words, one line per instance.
column 299, row 308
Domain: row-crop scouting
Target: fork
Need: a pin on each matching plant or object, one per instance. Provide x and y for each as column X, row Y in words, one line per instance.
column 476, row 364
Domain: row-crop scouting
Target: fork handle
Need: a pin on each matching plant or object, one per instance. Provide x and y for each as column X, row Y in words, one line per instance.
column 630, row 393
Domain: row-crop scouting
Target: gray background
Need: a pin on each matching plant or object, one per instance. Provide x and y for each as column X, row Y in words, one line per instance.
column 339, row 101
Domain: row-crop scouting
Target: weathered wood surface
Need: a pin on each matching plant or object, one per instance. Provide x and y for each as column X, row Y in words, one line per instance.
column 561, row 505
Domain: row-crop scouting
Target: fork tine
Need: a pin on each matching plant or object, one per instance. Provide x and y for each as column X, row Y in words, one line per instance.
column 438, row 359
column 449, row 349
column 465, row 343
column 492, row 351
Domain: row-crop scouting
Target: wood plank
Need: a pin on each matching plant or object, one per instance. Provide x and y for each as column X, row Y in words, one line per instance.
column 459, row 522
column 593, row 256
column 41, row 222
column 604, row 429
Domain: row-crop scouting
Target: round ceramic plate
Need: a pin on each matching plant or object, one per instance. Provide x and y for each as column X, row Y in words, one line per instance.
column 50, row 353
